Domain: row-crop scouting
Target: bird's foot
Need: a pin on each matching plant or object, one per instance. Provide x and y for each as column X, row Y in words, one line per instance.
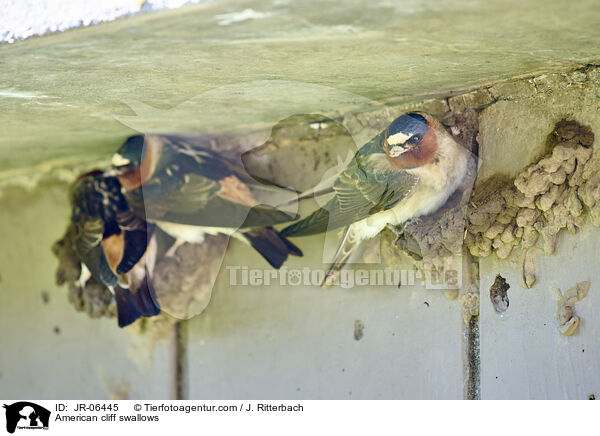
column 171, row 251
column 416, row 221
column 401, row 229
column 398, row 231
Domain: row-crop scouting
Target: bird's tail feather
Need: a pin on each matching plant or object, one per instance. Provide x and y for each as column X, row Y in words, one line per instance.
column 271, row 245
column 348, row 246
column 134, row 305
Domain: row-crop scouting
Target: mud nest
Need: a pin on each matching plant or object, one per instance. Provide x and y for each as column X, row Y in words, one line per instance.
column 183, row 283
column 555, row 193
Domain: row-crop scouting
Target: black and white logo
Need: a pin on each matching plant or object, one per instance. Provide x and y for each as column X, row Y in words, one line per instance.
column 26, row 415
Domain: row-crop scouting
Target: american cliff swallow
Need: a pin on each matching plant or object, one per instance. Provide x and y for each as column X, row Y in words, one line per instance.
column 408, row 170
column 189, row 189
column 115, row 245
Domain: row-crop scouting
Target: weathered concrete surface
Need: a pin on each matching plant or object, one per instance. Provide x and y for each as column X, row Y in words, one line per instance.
column 252, row 342
column 514, row 130
column 299, row 341
column 49, row 351
column 522, row 353
column 523, row 356
column 60, row 94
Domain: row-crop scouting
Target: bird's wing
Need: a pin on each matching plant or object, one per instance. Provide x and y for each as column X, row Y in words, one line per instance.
column 203, row 160
column 202, row 188
column 184, row 194
column 196, row 202
column 367, row 186
column 88, row 246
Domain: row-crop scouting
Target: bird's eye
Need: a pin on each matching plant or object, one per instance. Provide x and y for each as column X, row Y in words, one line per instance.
column 415, row 139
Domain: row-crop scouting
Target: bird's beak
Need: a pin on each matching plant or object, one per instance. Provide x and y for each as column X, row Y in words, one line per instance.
column 114, row 172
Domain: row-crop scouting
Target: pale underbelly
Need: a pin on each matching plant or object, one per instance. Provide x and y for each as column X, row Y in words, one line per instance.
column 423, row 201
column 194, row 234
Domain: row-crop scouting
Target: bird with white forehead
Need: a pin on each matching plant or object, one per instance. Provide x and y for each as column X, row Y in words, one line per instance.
column 189, row 189
column 408, row 170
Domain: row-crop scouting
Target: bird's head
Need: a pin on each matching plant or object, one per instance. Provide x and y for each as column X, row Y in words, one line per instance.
column 135, row 161
column 130, row 155
column 411, row 141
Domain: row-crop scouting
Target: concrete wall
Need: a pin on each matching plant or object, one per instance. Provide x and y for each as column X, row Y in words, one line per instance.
column 48, row 350
column 252, row 342
column 299, row 341
column 522, row 353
